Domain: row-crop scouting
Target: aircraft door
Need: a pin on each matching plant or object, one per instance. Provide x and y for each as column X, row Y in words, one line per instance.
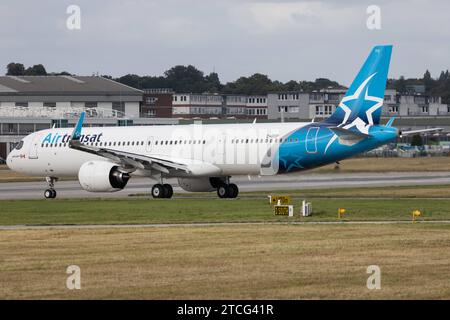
column 150, row 142
column 311, row 140
column 33, row 152
column 220, row 146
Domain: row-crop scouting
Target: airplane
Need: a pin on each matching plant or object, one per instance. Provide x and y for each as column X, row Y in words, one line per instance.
column 205, row 157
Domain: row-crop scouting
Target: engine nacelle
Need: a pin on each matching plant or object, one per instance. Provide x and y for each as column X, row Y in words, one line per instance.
column 197, row 184
column 102, row 176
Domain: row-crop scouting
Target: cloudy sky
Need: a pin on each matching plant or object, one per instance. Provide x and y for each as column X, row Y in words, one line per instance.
column 299, row 40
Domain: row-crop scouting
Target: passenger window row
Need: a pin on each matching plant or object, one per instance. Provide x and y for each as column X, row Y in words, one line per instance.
column 168, row 142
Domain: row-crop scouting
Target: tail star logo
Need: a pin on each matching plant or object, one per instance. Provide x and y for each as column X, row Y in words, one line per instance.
column 354, row 106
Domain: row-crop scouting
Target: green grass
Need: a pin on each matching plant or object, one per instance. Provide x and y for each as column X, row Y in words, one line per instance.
column 252, row 208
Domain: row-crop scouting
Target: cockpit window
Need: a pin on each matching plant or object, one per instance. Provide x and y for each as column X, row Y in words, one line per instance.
column 19, row 145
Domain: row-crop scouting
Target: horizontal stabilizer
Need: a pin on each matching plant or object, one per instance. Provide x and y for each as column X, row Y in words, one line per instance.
column 405, row 133
column 348, row 137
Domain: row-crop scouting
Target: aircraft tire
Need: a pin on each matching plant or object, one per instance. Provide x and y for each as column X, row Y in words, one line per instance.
column 158, row 191
column 168, row 191
column 233, row 190
column 223, row 191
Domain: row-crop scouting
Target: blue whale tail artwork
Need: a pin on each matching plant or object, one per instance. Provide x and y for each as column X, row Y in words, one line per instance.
column 364, row 98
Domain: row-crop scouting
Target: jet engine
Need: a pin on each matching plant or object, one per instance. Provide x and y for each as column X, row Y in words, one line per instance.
column 102, row 176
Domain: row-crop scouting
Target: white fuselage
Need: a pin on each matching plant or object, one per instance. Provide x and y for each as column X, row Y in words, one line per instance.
column 218, row 150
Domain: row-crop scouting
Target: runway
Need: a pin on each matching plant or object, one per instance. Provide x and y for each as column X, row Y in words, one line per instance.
column 211, row 224
column 72, row 189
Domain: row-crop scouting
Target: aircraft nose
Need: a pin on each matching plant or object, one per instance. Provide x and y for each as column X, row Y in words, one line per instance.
column 9, row 161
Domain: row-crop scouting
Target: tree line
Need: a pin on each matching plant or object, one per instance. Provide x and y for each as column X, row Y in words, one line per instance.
column 191, row 80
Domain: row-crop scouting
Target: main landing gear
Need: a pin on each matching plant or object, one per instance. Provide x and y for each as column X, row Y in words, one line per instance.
column 160, row 190
column 227, row 190
column 50, row 193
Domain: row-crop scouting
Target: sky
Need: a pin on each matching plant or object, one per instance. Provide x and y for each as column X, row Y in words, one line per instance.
column 287, row 40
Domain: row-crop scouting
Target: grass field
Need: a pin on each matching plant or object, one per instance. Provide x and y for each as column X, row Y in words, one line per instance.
column 349, row 165
column 229, row 262
column 244, row 209
column 259, row 261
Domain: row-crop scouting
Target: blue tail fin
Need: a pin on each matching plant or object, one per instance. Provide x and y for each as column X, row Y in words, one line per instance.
column 364, row 98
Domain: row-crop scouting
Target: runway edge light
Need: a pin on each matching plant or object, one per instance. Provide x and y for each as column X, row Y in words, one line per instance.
column 415, row 215
column 341, row 212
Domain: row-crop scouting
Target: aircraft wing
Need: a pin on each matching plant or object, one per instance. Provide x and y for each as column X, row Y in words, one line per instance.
column 128, row 160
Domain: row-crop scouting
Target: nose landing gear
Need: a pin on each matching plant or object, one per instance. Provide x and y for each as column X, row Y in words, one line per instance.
column 50, row 193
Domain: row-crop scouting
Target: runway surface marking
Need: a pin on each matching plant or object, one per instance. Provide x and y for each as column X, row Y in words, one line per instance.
column 212, row 224
column 72, row 189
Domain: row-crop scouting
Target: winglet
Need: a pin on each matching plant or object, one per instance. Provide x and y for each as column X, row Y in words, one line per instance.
column 390, row 122
column 76, row 133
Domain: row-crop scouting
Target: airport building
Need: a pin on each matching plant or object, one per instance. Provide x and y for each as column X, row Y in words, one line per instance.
column 303, row 106
column 321, row 104
column 217, row 106
column 31, row 103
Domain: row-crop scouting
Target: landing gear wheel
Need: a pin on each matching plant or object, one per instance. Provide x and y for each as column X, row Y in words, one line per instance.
column 158, row 191
column 223, row 191
column 50, row 194
column 168, row 191
column 233, row 190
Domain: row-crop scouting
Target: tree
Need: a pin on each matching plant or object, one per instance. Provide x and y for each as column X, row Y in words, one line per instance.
column 15, row 69
column 427, row 76
column 36, row 70
column 400, row 84
column 131, row 80
column 255, row 84
column 416, row 140
column 213, row 84
column 185, row 79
